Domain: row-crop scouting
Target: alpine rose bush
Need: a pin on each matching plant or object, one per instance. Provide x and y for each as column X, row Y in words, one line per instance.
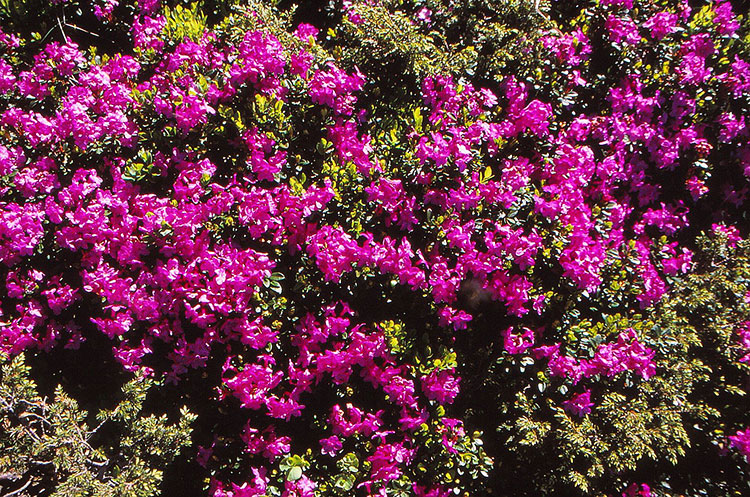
column 364, row 289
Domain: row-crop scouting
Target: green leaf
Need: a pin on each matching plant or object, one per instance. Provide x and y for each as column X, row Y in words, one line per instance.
column 294, row 474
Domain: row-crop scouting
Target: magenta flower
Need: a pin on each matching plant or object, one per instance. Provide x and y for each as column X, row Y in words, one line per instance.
column 300, row 63
column 696, row 186
column 437, row 491
column 518, row 344
column 456, row 318
column 146, row 31
column 103, row 10
column 303, row 487
column 386, row 462
column 424, row 15
column 256, row 488
column 635, row 490
column 306, row 31
column 441, row 386
column 331, row 445
column 579, row 404
column 724, row 18
column 335, row 88
column 744, row 337
column 253, row 383
column 7, row 78
column 661, row 24
column 622, row 30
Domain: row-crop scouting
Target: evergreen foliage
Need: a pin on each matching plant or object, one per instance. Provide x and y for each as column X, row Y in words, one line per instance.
column 51, row 446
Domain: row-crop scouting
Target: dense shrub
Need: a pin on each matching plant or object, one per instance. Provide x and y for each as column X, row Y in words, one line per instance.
column 424, row 248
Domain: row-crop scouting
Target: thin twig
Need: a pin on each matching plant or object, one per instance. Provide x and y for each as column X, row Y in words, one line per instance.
column 28, row 414
column 545, row 17
column 536, row 7
column 48, row 33
column 15, row 492
column 81, row 29
column 65, row 37
column 90, row 433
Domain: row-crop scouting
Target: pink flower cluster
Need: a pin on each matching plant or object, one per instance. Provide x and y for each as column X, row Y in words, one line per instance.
column 741, row 442
column 627, row 354
column 580, row 404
